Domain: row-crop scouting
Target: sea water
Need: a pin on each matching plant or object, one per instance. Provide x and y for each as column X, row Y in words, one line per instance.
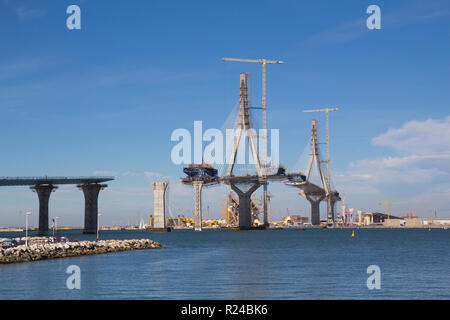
column 276, row 264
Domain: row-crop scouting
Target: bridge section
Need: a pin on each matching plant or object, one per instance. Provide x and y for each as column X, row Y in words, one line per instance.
column 312, row 192
column 44, row 186
column 254, row 181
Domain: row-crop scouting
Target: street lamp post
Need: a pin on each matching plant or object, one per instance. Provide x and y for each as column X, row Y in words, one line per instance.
column 55, row 222
column 98, row 226
column 26, row 227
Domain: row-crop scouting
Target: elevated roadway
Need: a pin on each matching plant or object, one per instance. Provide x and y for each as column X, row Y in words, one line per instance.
column 44, row 186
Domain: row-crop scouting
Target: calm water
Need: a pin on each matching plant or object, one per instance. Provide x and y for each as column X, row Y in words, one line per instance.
column 287, row 264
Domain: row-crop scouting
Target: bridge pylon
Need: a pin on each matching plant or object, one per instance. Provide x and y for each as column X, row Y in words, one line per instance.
column 312, row 192
column 254, row 181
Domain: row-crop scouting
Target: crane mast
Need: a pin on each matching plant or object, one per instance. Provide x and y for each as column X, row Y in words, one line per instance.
column 387, row 204
column 264, row 100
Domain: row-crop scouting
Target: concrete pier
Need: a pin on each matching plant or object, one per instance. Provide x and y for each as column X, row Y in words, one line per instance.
column 91, row 191
column 315, row 208
column 159, row 204
column 43, row 192
column 245, row 214
column 198, row 185
column 332, row 209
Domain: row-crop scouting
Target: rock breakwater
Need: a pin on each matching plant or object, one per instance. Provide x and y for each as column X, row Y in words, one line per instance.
column 43, row 251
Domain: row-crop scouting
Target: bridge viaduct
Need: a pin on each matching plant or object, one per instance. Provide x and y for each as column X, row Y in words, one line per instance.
column 44, row 186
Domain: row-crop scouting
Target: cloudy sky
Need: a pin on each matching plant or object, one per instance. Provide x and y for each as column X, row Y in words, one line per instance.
column 104, row 100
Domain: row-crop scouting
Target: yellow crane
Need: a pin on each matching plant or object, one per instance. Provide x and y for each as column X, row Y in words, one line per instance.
column 206, row 214
column 388, row 203
column 269, row 196
column 327, row 139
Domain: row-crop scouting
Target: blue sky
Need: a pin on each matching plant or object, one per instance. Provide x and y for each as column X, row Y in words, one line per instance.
column 105, row 99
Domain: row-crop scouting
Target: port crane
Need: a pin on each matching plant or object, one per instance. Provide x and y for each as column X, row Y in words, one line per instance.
column 388, row 203
column 288, row 213
column 207, row 212
column 263, row 62
column 269, row 197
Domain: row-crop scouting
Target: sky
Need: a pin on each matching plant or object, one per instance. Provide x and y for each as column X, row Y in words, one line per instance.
column 105, row 99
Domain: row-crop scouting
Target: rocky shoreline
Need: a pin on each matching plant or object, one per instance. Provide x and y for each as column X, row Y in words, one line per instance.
column 44, row 251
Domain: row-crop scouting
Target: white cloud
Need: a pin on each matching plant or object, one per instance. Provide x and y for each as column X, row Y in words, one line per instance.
column 424, row 148
column 131, row 191
column 105, row 173
column 377, row 173
column 430, row 138
column 180, row 190
column 152, row 175
column 130, row 174
column 29, row 14
column 417, row 12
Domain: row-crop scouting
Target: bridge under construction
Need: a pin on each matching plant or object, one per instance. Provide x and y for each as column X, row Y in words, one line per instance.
column 313, row 192
column 245, row 185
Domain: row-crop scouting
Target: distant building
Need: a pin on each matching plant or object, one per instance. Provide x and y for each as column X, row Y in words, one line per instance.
column 369, row 218
column 441, row 221
column 409, row 215
column 296, row 220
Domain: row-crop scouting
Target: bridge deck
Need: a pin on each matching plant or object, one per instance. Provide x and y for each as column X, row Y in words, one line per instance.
column 32, row 181
column 207, row 181
column 311, row 189
column 252, row 179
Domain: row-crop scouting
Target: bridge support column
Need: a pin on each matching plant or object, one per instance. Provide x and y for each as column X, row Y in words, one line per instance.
column 315, row 208
column 198, row 185
column 332, row 204
column 159, row 205
column 91, row 191
column 43, row 192
column 266, row 215
column 245, row 214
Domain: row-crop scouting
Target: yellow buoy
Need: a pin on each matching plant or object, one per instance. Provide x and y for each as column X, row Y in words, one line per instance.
column 353, row 233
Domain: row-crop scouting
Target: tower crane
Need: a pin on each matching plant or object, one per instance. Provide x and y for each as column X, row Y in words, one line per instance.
column 388, row 203
column 264, row 106
column 264, row 103
column 269, row 196
column 207, row 212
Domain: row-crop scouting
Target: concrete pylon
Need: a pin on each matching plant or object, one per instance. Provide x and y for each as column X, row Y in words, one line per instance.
column 43, row 192
column 315, row 208
column 245, row 214
column 331, row 210
column 91, row 192
column 244, row 126
column 198, row 185
column 359, row 217
column 159, row 204
column 315, row 157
